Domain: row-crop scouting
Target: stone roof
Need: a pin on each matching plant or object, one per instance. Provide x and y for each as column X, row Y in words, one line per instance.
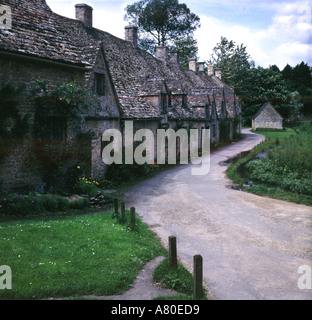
column 271, row 108
column 136, row 75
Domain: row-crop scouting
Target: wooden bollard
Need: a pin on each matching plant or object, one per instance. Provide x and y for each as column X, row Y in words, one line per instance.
column 116, row 208
column 198, row 277
column 122, row 211
column 132, row 218
column 173, row 261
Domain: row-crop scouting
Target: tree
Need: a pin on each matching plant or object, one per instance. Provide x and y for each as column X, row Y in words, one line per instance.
column 187, row 48
column 234, row 61
column 267, row 84
column 161, row 22
column 299, row 79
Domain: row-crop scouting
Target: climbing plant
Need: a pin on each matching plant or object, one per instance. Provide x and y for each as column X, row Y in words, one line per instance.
column 66, row 100
column 60, row 158
column 13, row 125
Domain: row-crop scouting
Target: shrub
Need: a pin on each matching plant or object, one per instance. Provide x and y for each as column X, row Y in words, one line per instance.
column 15, row 204
column 80, row 204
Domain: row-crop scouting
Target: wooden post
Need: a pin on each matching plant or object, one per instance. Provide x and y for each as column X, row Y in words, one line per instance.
column 123, row 214
column 116, row 208
column 198, row 277
column 173, row 252
column 132, row 218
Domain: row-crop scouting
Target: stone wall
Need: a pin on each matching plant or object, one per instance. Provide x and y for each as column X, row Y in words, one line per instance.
column 267, row 118
column 19, row 169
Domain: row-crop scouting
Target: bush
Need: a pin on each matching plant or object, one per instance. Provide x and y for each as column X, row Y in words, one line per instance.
column 15, row 204
column 80, row 204
column 38, row 204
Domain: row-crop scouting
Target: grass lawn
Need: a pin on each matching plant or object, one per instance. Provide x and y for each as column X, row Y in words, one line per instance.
column 74, row 256
column 79, row 255
column 273, row 140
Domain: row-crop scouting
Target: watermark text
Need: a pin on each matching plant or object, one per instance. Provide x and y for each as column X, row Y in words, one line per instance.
column 5, row 277
column 304, row 281
column 5, row 17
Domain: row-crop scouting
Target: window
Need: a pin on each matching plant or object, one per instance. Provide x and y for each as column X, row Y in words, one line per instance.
column 184, row 101
column 207, row 111
column 99, row 83
column 163, row 102
column 57, row 128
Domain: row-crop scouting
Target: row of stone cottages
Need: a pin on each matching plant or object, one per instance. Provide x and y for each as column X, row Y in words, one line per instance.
column 129, row 83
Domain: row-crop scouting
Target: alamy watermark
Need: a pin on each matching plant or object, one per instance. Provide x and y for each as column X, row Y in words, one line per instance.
column 5, row 17
column 5, row 277
column 304, row 281
column 192, row 145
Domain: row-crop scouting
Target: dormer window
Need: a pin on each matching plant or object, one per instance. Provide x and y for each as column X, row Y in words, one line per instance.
column 99, row 83
column 207, row 111
column 164, row 102
column 184, row 100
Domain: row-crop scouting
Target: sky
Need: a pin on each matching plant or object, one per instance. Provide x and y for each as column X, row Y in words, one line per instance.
column 273, row 32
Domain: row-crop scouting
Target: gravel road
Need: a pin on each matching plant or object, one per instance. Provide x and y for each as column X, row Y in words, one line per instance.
column 252, row 246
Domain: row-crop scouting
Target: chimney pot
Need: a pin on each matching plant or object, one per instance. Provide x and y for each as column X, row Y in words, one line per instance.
column 210, row 71
column 131, row 35
column 219, row 73
column 174, row 57
column 192, row 64
column 162, row 53
column 201, row 66
column 84, row 13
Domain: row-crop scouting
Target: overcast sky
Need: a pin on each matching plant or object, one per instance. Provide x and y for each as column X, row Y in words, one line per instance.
column 274, row 32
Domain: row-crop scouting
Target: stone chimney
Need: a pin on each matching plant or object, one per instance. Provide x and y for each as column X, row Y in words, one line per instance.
column 219, row 73
column 201, row 66
column 210, row 71
column 192, row 64
column 131, row 35
column 162, row 53
column 174, row 57
column 84, row 13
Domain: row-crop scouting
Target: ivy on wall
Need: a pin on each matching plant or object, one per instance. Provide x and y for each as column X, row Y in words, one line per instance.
column 13, row 125
column 66, row 100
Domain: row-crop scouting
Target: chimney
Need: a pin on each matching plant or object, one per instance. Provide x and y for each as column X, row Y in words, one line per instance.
column 84, row 13
column 219, row 73
column 162, row 53
column 174, row 57
column 201, row 66
column 210, row 71
column 131, row 35
column 192, row 64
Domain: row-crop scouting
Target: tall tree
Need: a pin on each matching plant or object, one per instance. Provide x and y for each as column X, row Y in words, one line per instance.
column 233, row 60
column 267, row 84
column 299, row 79
column 160, row 22
column 187, row 48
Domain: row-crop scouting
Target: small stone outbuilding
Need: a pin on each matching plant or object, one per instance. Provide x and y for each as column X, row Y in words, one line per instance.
column 267, row 117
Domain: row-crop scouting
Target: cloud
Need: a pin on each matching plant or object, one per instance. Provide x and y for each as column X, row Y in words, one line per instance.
column 287, row 39
column 283, row 36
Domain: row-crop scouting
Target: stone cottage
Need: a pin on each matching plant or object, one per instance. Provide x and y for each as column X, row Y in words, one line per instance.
column 129, row 84
column 267, row 117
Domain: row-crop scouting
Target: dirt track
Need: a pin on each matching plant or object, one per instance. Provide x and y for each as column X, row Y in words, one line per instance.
column 252, row 246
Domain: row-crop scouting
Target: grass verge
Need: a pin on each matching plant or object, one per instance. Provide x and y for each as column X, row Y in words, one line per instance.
column 74, row 256
column 234, row 172
column 179, row 279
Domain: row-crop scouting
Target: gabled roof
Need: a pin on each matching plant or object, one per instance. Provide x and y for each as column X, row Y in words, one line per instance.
column 268, row 105
column 135, row 74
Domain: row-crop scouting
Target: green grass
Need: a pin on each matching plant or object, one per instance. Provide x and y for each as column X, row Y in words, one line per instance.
column 179, row 279
column 284, row 145
column 74, row 256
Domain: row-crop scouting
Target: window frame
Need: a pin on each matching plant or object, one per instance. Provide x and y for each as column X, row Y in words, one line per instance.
column 99, row 89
